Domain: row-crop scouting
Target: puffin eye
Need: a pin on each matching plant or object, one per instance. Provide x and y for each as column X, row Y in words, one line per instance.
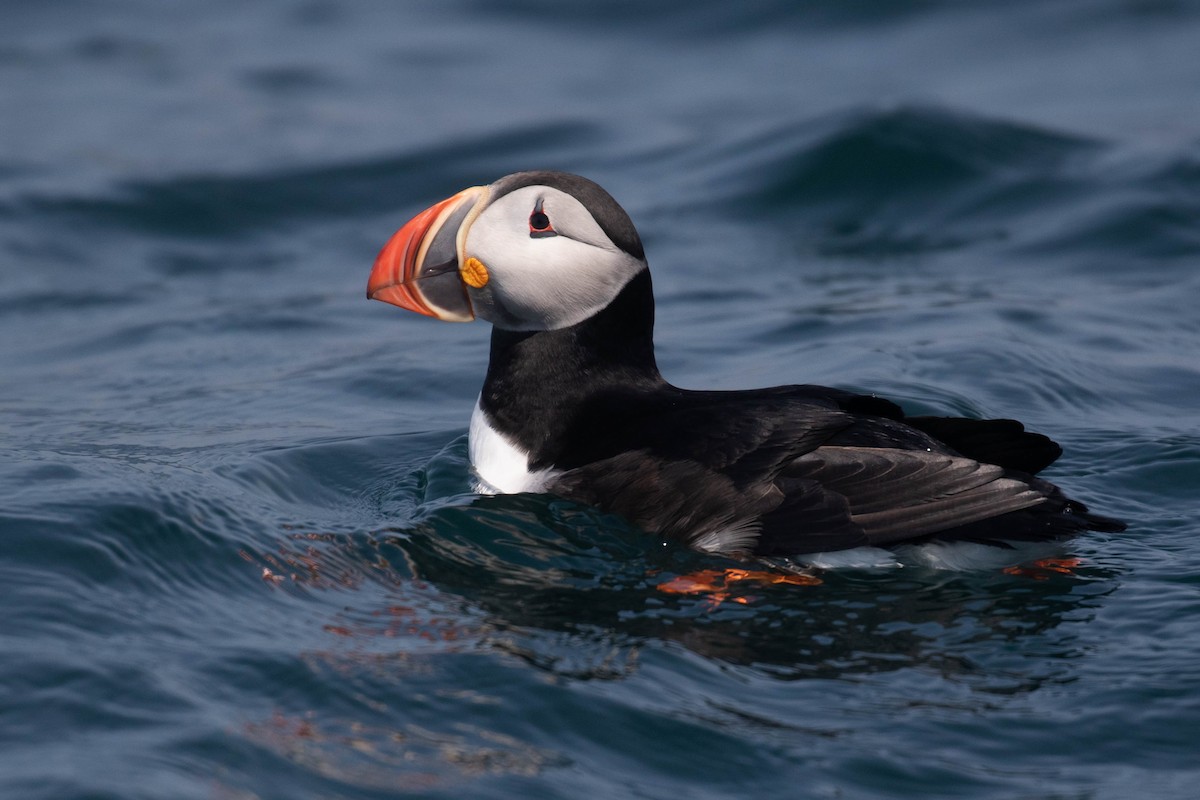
column 539, row 223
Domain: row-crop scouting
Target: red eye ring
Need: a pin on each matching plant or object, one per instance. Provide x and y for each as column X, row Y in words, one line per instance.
column 539, row 223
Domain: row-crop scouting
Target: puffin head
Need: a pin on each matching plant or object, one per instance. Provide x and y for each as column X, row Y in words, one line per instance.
column 532, row 251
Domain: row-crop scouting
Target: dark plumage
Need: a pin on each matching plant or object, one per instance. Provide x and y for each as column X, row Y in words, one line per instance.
column 779, row 471
column 576, row 395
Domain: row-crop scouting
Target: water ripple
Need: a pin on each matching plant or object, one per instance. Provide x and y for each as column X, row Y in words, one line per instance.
column 220, row 206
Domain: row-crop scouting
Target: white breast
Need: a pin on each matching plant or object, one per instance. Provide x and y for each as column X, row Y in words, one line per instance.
column 500, row 466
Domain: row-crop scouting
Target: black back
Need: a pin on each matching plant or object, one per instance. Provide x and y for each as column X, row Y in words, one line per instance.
column 784, row 470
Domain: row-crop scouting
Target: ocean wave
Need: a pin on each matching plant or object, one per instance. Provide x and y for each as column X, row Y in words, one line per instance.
column 889, row 153
column 225, row 206
column 1140, row 206
column 875, row 183
column 709, row 19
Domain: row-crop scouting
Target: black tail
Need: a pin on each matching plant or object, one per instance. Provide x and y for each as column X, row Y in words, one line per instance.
column 1003, row 442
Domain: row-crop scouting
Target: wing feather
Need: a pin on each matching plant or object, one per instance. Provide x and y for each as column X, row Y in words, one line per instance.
column 902, row 494
column 688, row 502
column 801, row 469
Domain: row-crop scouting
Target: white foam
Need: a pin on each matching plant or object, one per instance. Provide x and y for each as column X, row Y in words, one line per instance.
column 854, row 558
column 950, row 556
column 971, row 556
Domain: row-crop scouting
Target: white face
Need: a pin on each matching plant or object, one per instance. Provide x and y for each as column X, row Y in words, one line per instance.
column 544, row 280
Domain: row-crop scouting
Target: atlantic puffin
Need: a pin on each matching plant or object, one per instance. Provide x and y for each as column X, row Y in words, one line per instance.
column 573, row 403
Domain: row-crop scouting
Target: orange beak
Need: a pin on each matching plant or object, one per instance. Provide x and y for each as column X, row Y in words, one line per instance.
column 418, row 269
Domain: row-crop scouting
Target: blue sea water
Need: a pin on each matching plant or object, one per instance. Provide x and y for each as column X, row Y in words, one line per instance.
column 239, row 555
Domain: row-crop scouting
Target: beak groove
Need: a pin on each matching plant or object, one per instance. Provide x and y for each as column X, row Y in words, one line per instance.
column 418, row 268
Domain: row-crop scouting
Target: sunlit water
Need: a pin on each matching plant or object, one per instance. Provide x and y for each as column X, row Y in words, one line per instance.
column 239, row 554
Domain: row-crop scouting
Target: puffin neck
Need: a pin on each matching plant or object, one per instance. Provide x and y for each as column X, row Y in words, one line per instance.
column 536, row 379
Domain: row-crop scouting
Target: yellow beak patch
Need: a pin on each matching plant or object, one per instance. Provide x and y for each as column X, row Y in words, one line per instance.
column 474, row 273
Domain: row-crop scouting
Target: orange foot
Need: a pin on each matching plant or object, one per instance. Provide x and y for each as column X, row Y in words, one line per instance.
column 717, row 584
column 1041, row 569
